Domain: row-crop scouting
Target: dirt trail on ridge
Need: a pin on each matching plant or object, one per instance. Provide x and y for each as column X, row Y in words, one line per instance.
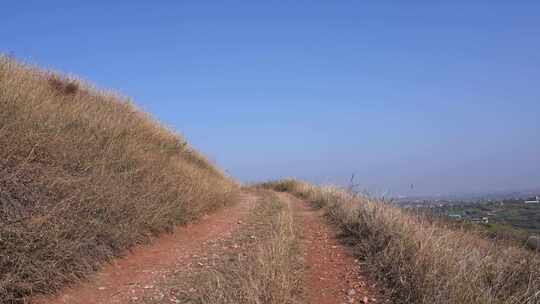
column 131, row 277
column 332, row 274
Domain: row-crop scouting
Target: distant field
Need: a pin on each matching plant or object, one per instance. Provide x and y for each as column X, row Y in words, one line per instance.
column 514, row 214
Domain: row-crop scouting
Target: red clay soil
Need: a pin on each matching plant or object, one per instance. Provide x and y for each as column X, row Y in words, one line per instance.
column 135, row 275
column 333, row 275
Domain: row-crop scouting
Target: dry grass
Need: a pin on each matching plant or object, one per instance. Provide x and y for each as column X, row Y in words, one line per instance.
column 84, row 175
column 425, row 261
column 259, row 264
column 268, row 274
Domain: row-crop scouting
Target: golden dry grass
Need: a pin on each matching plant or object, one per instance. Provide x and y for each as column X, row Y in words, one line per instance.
column 84, row 175
column 422, row 260
column 270, row 273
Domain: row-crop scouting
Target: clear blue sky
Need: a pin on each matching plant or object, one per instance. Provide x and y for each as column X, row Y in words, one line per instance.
column 442, row 95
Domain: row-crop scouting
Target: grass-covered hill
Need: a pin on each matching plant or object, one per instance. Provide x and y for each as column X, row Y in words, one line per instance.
column 85, row 175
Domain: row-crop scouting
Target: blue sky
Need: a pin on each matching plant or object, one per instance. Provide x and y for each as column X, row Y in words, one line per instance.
column 442, row 95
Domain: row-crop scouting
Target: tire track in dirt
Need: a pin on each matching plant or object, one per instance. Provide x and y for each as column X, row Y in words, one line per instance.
column 259, row 263
column 332, row 273
column 135, row 275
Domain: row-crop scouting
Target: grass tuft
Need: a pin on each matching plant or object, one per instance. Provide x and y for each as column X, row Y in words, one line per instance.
column 270, row 272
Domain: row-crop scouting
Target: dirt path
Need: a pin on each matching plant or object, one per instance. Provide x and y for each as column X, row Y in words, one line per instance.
column 257, row 264
column 333, row 275
column 134, row 276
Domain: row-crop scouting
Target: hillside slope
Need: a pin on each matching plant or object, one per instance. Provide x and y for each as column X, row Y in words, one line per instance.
column 84, row 176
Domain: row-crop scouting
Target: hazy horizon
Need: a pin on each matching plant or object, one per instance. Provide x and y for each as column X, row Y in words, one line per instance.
column 441, row 96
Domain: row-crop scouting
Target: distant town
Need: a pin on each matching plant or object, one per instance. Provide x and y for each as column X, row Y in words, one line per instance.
column 506, row 211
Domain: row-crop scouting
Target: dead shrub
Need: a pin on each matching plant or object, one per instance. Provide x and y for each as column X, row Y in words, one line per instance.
column 63, row 86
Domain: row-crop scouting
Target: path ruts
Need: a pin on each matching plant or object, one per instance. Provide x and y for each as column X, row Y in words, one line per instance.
column 332, row 274
column 137, row 273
